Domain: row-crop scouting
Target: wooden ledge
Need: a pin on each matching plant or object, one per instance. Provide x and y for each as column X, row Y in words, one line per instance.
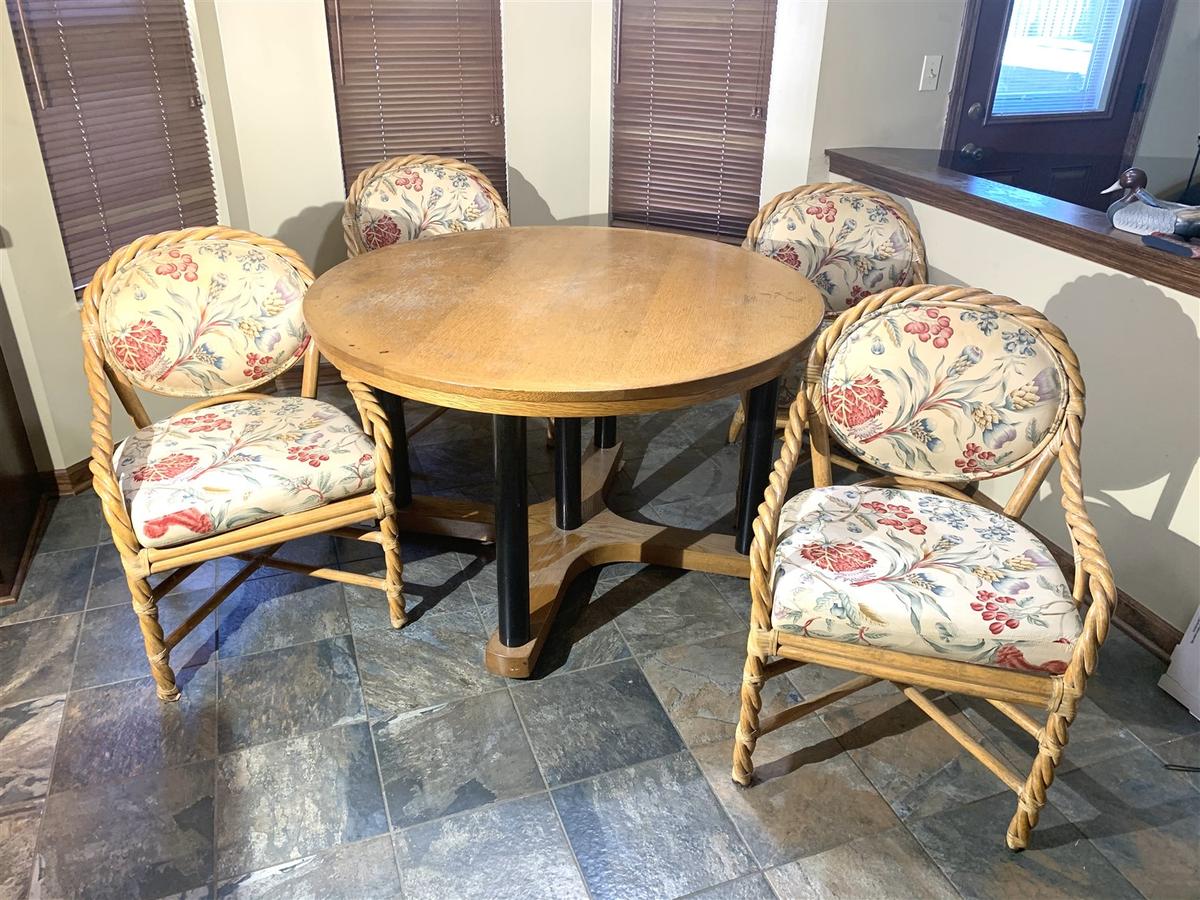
column 1083, row 232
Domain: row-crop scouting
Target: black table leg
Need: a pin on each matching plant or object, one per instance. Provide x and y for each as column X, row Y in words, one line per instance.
column 567, row 511
column 606, row 431
column 757, row 444
column 512, row 529
column 393, row 408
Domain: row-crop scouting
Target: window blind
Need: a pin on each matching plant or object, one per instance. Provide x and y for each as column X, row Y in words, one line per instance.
column 689, row 112
column 118, row 114
column 418, row 76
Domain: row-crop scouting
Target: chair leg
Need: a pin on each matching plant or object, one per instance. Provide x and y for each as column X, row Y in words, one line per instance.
column 738, row 422
column 157, row 653
column 394, row 575
column 1032, row 797
column 746, row 735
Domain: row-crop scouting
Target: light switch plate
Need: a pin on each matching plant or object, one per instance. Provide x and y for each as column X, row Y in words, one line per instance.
column 931, row 69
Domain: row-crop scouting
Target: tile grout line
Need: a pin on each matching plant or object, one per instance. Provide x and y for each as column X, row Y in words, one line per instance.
column 37, row 844
column 549, row 793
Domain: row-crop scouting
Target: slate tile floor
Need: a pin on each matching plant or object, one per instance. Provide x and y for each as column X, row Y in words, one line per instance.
column 318, row 753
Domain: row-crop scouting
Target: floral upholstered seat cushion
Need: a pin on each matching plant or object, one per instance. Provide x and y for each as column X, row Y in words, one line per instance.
column 203, row 318
column 421, row 201
column 201, row 473
column 953, row 392
column 923, row 574
column 848, row 246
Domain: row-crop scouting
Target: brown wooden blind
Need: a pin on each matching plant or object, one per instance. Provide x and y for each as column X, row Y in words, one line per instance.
column 418, row 76
column 117, row 109
column 689, row 112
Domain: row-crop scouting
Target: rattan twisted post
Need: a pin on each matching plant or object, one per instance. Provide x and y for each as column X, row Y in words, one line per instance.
column 139, row 562
column 354, row 242
column 1058, row 695
column 375, row 424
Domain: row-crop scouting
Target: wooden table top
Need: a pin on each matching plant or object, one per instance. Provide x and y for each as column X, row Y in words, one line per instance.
column 570, row 321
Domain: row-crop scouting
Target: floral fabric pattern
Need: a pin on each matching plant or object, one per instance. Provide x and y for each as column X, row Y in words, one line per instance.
column 202, row 473
column 203, row 318
column 849, row 247
column 421, row 201
column 946, row 393
column 923, row 574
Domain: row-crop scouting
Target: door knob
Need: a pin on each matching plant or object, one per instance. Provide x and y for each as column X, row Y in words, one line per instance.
column 971, row 152
column 975, row 111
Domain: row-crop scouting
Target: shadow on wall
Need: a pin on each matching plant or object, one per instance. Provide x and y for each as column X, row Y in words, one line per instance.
column 1140, row 355
column 316, row 234
column 527, row 207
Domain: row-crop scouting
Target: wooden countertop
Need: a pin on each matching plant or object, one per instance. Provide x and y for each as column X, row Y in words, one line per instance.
column 1084, row 232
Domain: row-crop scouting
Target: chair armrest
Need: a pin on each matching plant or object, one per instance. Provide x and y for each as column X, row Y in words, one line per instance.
column 766, row 525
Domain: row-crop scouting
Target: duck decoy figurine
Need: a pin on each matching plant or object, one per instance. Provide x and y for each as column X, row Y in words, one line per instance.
column 1140, row 212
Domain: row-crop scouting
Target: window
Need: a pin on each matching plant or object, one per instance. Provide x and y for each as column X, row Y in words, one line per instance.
column 689, row 112
column 418, row 76
column 118, row 114
column 1060, row 56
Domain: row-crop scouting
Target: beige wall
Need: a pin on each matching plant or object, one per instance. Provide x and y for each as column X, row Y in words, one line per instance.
column 1139, row 347
column 556, row 109
column 271, row 89
column 870, row 64
column 1172, row 123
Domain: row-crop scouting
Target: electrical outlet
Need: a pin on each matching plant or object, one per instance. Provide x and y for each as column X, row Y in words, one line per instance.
column 931, row 69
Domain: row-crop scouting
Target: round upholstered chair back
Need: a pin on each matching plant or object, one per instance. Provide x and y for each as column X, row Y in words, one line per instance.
column 201, row 312
column 413, row 197
column 942, row 388
column 847, row 239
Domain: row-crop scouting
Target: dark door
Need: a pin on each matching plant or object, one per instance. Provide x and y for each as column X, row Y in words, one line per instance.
column 20, row 486
column 1050, row 92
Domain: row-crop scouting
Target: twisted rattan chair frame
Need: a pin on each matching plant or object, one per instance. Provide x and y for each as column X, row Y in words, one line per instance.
column 846, row 189
column 354, row 242
column 254, row 543
column 1056, row 695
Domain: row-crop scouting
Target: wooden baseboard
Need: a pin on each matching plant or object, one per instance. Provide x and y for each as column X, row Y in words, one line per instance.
column 1146, row 627
column 68, row 482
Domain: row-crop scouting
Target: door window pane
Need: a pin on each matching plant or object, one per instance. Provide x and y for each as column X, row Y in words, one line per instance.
column 1060, row 56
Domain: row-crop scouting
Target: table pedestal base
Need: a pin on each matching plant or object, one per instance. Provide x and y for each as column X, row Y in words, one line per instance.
column 556, row 556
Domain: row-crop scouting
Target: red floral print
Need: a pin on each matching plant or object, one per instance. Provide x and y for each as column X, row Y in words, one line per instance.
column 185, row 267
column 170, row 466
column 856, row 403
column 308, row 453
column 988, row 607
column 972, row 456
column 897, row 516
column 822, row 209
column 409, row 178
column 857, row 292
column 256, row 366
column 842, row 557
column 138, row 347
column 383, row 232
column 1009, row 656
column 938, row 330
column 365, row 458
column 206, row 422
column 788, row 256
column 194, row 520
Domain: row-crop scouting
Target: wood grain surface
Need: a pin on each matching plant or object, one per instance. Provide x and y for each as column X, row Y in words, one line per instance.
column 570, row 321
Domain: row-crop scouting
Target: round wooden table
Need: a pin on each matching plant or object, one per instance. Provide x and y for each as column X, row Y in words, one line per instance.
column 566, row 323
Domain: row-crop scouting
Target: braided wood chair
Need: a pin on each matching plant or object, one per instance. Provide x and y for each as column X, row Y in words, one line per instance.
column 212, row 313
column 370, row 222
column 835, row 258
column 853, row 576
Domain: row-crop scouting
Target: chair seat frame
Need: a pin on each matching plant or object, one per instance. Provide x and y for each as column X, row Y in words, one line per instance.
column 771, row 652
column 256, row 543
